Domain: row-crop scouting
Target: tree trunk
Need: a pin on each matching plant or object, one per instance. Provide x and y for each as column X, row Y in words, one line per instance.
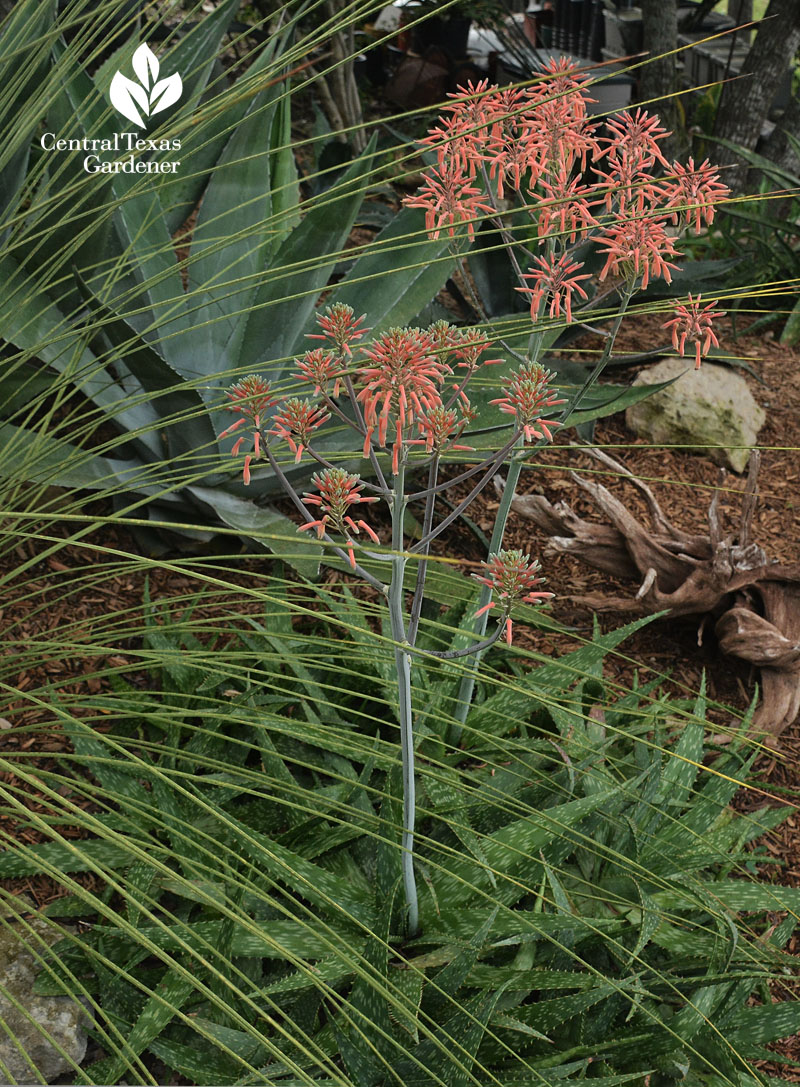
column 777, row 148
column 745, row 102
column 660, row 76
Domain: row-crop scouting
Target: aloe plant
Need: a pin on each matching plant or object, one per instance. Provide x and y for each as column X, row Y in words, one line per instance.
column 588, row 911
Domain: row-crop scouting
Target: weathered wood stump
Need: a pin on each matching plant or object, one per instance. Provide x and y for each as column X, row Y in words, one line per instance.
column 754, row 603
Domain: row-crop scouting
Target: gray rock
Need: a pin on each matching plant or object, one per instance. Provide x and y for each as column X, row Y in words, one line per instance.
column 711, row 406
column 59, row 1015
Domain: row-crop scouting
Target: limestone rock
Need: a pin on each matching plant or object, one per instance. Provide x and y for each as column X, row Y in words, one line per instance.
column 712, row 406
column 62, row 1018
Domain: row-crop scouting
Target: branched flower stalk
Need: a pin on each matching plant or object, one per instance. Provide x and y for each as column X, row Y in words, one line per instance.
column 406, row 393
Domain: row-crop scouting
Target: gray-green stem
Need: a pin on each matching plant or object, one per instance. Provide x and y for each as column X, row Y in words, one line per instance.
column 467, row 686
column 403, row 666
column 602, row 362
column 422, row 567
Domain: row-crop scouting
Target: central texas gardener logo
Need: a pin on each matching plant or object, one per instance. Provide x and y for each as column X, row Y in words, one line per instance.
column 150, row 95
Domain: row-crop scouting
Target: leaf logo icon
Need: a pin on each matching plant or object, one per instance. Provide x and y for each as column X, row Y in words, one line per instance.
column 150, row 95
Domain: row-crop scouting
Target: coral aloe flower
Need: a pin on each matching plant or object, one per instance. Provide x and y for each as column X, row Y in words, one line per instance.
column 340, row 324
column 567, row 207
column 693, row 323
column 528, row 395
column 513, row 577
column 295, row 422
column 449, row 198
column 441, row 427
column 251, row 398
column 639, row 247
column 402, row 380
column 636, row 136
column 339, row 491
column 320, row 368
column 694, row 191
column 554, row 280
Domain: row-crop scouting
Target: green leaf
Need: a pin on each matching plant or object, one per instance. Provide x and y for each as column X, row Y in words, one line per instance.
column 190, row 428
column 686, row 758
column 233, row 234
column 765, row 1024
column 171, row 994
column 369, row 1005
column 300, row 270
column 270, row 528
column 84, row 856
column 791, row 330
column 510, row 852
column 400, row 275
column 610, row 399
column 514, row 703
column 24, row 62
column 200, row 1064
column 202, row 143
column 28, row 456
column 444, row 986
column 30, row 319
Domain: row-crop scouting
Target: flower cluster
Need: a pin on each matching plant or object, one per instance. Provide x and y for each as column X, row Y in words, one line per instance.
column 251, row 398
column 554, row 281
column 401, row 383
column 513, row 577
column 401, row 393
column 321, row 370
column 339, row 324
column 576, row 180
column 339, row 491
column 695, row 324
column 528, row 394
column 449, row 198
column 638, row 246
column 523, row 135
column 442, row 427
column 295, row 423
column 693, row 191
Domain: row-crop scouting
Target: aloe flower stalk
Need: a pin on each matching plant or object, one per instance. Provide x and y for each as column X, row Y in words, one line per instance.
column 406, row 393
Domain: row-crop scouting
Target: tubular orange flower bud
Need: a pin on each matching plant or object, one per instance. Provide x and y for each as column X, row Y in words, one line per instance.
column 340, row 324
column 296, row 421
column 449, row 198
column 400, row 384
column 339, row 491
column 554, row 281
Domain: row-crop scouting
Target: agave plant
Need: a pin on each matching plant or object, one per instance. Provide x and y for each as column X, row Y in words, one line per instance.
column 97, row 302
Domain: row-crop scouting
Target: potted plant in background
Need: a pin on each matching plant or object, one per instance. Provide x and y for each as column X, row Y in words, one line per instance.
column 447, row 28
